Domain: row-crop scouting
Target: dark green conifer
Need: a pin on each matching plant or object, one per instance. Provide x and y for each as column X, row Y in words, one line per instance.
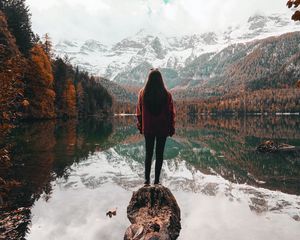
column 19, row 23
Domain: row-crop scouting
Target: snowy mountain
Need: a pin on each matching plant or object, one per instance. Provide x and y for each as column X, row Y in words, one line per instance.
column 128, row 61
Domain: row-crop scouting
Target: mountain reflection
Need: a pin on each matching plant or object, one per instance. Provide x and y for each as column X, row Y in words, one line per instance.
column 205, row 153
column 228, row 146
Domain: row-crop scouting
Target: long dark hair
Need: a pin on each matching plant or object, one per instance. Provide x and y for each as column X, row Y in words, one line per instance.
column 155, row 93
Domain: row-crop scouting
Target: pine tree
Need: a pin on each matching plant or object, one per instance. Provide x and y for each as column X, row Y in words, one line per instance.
column 60, row 72
column 66, row 97
column 76, row 76
column 19, row 23
column 47, row 45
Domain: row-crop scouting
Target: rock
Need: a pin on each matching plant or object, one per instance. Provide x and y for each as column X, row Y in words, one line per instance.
column 154, row 214
column 270, row 146
column 267, row 146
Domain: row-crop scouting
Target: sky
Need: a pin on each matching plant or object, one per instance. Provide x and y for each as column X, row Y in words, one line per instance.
column 109, row 21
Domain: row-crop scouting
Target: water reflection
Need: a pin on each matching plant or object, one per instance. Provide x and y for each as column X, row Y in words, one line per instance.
column 227, row 146
column 73, row 171
column 42, row 152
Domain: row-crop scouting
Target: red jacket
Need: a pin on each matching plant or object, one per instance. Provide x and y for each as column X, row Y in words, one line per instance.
column 161, row 125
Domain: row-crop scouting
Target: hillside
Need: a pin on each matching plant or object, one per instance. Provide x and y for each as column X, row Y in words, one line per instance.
column 259, row 64
column 119, row 93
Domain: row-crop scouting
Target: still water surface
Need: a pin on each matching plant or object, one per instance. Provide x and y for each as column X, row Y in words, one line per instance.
column 72, row 172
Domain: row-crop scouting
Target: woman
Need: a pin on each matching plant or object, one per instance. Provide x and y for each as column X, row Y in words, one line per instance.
column 156, row 120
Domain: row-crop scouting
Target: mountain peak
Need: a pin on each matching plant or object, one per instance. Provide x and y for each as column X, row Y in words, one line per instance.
column 256, row 17
column 126, row 60
column 92, row 45
column 144, row 32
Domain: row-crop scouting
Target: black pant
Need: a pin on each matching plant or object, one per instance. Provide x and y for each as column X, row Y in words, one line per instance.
column 159, row 151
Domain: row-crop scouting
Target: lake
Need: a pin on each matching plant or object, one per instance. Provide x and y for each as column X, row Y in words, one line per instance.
column 72, row 172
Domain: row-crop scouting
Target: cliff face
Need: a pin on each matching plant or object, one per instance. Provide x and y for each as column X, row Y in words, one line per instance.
column 12, row 67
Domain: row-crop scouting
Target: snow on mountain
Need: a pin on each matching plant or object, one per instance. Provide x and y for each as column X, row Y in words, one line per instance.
column 129, row 60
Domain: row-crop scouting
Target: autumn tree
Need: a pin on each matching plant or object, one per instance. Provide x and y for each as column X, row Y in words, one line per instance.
column 12, row 66
column 69, row 98
column 19, row 23
column 39, row 85
column 294, row 4
column 34, row 84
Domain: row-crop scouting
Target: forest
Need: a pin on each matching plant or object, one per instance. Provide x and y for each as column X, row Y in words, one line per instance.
column 35, row 84
column 263, row 101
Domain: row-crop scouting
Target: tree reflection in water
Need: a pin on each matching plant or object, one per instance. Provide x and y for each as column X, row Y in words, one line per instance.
column 44, row 151
column 41, row 152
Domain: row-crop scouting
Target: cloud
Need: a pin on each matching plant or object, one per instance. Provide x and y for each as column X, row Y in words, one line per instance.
column 112, row 20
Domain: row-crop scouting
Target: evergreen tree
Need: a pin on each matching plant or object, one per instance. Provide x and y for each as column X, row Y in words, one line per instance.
column 77, row 76
column 60, row 80
column 19, row 23
column 47, row 45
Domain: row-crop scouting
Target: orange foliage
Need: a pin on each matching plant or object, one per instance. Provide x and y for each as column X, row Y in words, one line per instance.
column 12, row 66
column 29, row 90
column 295, row 4
column 124, row 108
column 70, row 98
column 260, row 101
column 42, row 64
column 39, row 90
